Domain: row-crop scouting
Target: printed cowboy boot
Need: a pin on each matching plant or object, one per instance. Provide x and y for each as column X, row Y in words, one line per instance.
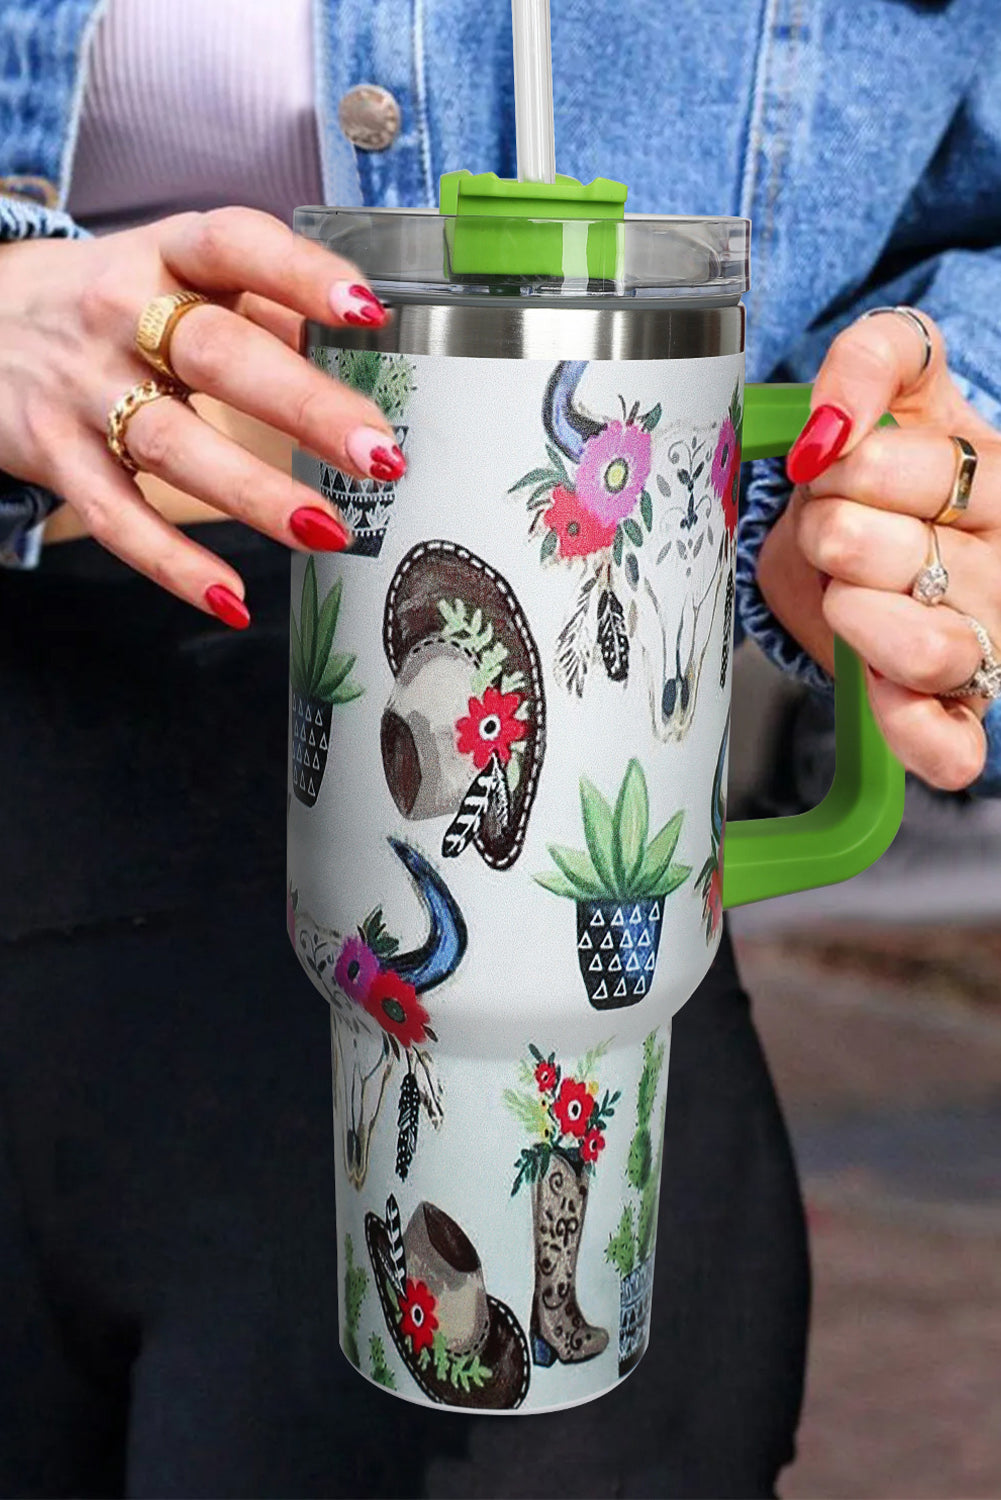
column 559, row 1329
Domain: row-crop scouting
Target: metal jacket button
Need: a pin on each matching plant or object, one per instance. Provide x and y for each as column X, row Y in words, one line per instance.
column 369, row 117
column 32, row 189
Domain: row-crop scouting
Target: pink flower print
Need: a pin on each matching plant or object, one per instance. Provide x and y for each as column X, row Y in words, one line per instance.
column 613, row 469
column 356, row 970
column 725, row 460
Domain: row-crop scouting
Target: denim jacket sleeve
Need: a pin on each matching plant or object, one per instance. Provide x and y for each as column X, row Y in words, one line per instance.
column 23, row 507
column 958, row 201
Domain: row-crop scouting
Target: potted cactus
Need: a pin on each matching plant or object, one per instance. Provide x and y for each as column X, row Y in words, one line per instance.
column 320, row 678
column 388, row 380
column 631, row 1248
column 619, row 883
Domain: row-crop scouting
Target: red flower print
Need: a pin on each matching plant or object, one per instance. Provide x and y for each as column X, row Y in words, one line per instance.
column 712, row 896
column 491, row 728
column 592, row 1145
column 731, row 498
column 394, row 1004
column 545, row 1077
column 573, row 1106
column 580, row 531
column 418, row 1323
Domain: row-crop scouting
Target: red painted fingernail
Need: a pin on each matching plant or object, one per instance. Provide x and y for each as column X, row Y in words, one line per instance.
column 387, row 463
column 357, row 305
column 318, row 531
column 227, row 606
column 371, row 453
column 819, row 444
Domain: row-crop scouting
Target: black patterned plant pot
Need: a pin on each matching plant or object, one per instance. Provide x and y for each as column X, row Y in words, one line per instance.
column 310, row 744
column 617, row 945
column 635, row 1299
column 366, row 504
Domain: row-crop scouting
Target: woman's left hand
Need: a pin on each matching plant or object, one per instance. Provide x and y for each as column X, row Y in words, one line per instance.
column 845, row 554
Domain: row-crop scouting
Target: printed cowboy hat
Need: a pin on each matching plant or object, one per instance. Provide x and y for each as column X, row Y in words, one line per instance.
column 463, row 733
column 462, row 1346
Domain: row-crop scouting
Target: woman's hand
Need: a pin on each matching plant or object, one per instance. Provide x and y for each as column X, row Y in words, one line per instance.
column 844, row 556
column 68, row 315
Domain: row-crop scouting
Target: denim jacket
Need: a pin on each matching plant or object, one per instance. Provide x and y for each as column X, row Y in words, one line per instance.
column 862, row 137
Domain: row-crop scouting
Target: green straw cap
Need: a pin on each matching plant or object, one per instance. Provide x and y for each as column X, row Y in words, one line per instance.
column 502, row 227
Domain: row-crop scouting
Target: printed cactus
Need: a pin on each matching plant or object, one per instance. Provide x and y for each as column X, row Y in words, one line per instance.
column 621, row 863
column 319, row 672
column 387, row 379
column 321, row 679
column 634, row 1238
column 620, row 883
column 355, row 1290
column 381, row 1373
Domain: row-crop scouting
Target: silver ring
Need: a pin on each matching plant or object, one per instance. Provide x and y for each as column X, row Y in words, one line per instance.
column 931, row 584
column 986, row 680
column 915, row 320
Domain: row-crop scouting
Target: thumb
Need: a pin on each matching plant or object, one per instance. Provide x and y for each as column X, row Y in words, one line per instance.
column 875, row 364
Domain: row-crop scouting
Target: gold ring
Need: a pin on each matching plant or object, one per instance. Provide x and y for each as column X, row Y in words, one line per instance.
column 155, row 329
column 962, row 484
column 125, row 409
column 931, row 584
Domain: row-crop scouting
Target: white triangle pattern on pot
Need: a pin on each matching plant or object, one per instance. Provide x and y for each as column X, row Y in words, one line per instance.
column 623, row 944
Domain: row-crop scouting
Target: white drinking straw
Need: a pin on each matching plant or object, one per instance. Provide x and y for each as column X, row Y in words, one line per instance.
column 533, row 91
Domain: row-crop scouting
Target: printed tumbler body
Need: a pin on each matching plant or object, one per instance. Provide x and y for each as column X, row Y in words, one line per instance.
column 508, row 742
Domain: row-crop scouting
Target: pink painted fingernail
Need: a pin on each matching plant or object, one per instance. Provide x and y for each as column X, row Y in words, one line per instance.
column 371, row 452
column 819, row 444
column 318, row 531
column 356, row 305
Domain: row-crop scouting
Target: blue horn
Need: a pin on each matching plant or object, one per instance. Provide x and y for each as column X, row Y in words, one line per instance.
column 567, row 427
column 441, row 952
column 719, row 799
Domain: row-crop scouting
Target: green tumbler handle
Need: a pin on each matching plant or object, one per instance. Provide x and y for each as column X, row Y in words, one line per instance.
column 858, row 819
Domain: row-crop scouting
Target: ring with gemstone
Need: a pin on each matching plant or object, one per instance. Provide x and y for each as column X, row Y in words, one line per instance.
column 931, row 584
column 986, row 680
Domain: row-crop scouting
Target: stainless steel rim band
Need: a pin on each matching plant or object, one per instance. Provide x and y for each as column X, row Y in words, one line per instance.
column 488, row 330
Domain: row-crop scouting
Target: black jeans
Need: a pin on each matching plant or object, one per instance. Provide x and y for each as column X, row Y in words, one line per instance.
column 167, row 1243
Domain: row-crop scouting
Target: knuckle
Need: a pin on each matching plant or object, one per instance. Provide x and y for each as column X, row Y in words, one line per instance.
column 101, row 304
column 203, row 344
column 311, row 412
column 150, row 438
column 954, row 768
column 871, row 465
column 41, row 424
column 96, row 512
column 931, row 654
column 840, row 544
column 266, row 497
column 867, row 350
column 213, row 234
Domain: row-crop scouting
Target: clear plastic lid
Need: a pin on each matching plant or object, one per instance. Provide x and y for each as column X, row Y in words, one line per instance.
column 417, row 254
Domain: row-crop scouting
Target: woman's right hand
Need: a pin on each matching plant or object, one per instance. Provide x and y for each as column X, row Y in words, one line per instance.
column 68, row 316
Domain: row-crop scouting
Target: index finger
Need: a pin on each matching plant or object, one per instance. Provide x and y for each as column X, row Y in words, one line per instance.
column 234, row 250
column 875, row 364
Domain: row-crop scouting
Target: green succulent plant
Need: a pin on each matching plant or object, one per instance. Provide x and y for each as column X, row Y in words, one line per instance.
column 317, row 670
column 387, row 379
column 621, row 862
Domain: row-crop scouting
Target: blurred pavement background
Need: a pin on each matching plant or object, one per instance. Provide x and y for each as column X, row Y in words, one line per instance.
column 879, row 1002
